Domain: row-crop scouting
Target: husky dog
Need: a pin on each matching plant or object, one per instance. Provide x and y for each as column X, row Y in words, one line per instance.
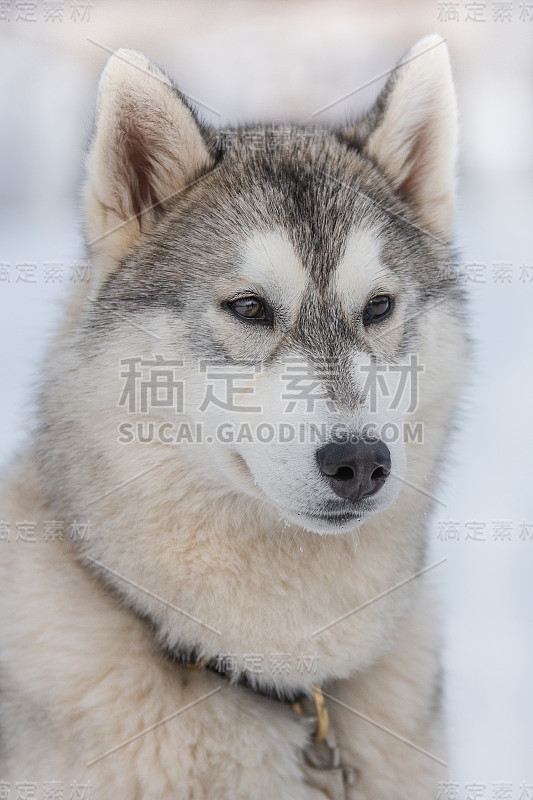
column 279, row 545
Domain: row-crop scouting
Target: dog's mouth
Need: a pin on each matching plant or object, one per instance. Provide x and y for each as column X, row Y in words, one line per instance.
column 330, row 521
column 337, row 520
column 340, row 518
column 337, row 513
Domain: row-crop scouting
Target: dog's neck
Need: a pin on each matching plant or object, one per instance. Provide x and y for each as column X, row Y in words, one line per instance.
column 275, row 606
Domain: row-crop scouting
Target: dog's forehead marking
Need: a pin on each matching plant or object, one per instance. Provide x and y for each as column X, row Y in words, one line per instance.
column 360, row 269
column 271, row 261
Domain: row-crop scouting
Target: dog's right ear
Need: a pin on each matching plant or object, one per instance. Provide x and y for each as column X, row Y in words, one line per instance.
column 147, row 147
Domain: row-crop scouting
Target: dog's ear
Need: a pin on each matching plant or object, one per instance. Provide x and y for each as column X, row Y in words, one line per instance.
column 147, row 147
column 411, row 133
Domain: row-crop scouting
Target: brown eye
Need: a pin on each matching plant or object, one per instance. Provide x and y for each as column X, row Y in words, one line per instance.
column 251, row 309
column 378, row 308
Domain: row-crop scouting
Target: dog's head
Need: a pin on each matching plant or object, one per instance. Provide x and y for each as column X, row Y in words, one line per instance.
column 287, row 278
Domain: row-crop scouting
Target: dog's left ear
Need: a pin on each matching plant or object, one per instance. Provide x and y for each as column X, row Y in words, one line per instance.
column 411, row 133
column 148, row 146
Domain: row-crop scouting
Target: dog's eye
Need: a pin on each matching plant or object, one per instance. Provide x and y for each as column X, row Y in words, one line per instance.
column 377, row 308
column 250, row 308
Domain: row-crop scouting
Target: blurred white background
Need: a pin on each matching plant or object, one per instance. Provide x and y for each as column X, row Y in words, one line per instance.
column 251, row 60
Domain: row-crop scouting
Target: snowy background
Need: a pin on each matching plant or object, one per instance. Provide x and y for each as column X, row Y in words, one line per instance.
column 251, row 60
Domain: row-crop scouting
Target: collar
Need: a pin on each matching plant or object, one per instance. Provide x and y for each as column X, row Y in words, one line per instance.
column 320, row 759
column 295, row 698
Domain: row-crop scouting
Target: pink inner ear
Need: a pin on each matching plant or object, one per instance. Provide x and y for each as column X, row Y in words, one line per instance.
column 140, row 176
column 139, row 140
column 417, row 164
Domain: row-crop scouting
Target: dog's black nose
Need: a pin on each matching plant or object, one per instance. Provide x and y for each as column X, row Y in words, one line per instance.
column 355, row 469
